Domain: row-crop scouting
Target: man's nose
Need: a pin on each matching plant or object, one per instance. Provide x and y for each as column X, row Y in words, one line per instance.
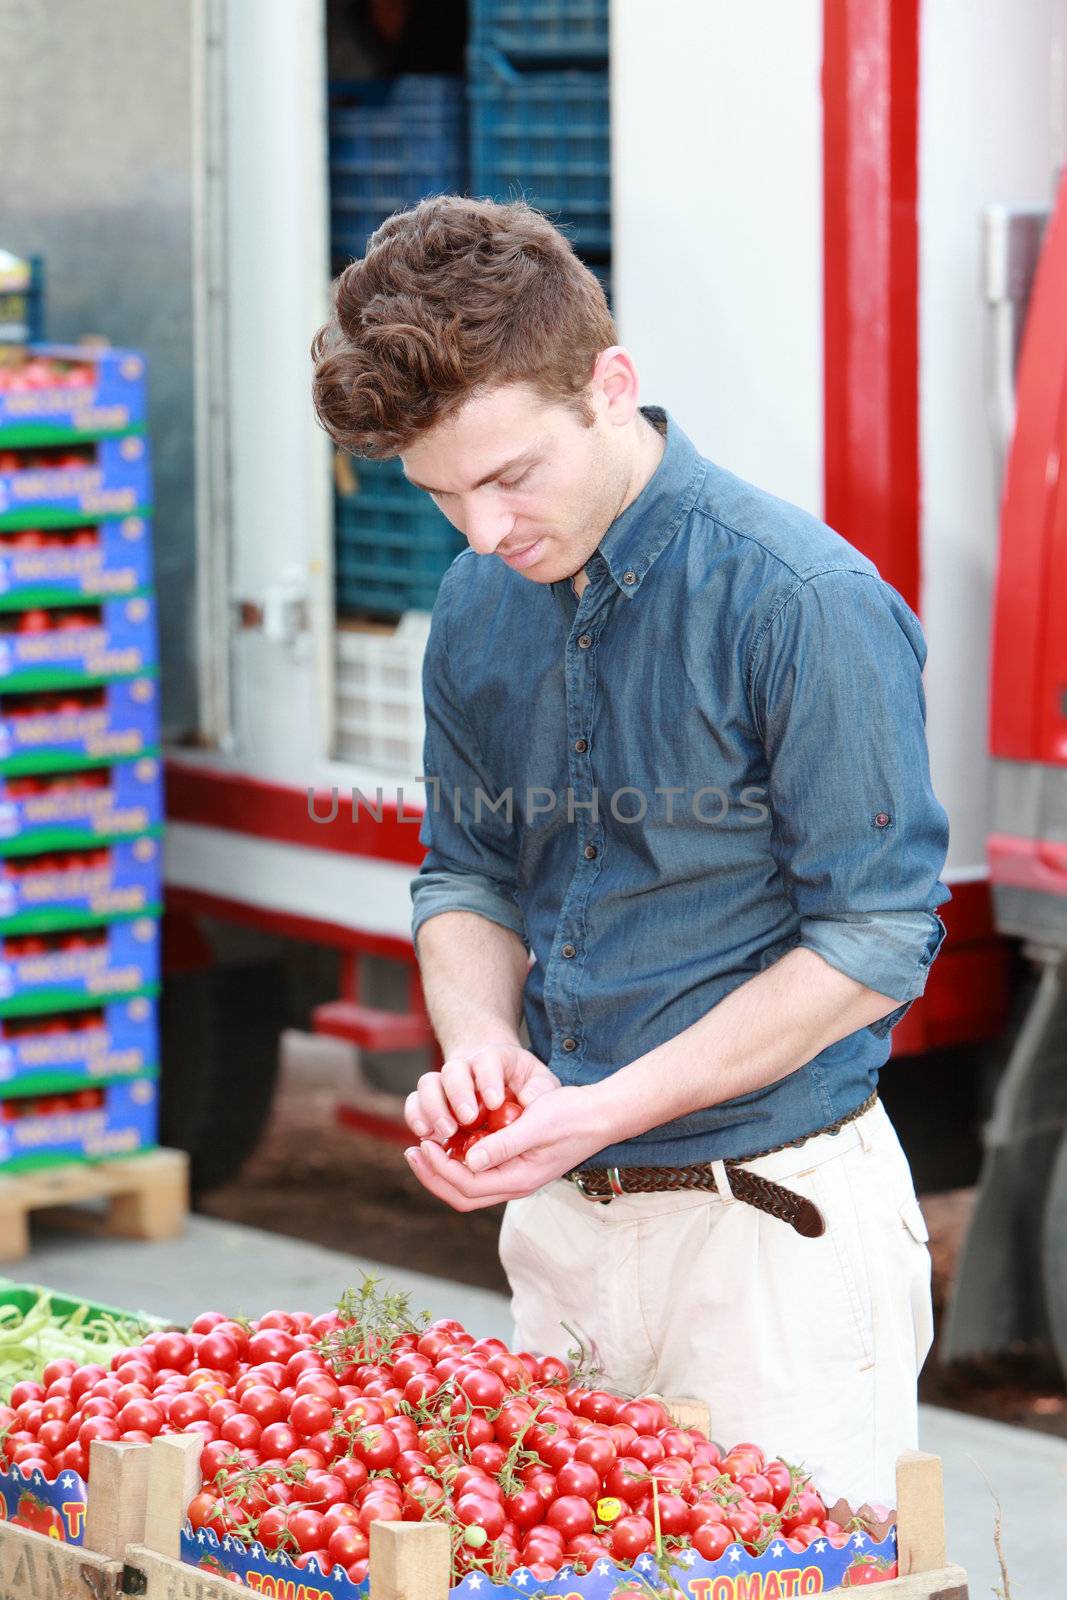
column 487, row 526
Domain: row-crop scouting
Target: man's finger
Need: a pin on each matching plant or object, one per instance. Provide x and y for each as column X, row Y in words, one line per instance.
column 413, row 1116
column 509, row 1143
column 459, row 1088
column 430, row 1166
column 539, row 1082
column 486, row 1190
column 435, row 1110
column 488, row 1072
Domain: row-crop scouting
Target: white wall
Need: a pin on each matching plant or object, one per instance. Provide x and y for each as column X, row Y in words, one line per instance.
column 717, row 206
column 990, row 130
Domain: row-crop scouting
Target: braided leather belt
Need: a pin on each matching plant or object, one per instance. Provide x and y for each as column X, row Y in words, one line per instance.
column 603, row 1184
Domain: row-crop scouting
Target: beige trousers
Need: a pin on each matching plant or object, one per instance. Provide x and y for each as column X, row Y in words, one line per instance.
column 811, row 1348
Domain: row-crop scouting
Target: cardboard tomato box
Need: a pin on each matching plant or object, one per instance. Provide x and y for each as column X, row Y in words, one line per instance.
column 68, row 888
column 50, row 393
column 97, row 1124
column 82, row 725
column 61, row 646
column 51, row 1051
column 54, row 971
column 736, row 1575
column 53, row 810
column 47, row 566
column 60, row 484
column 55, row 1507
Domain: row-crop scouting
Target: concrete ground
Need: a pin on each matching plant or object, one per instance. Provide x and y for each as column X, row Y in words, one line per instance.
column 241, row 1270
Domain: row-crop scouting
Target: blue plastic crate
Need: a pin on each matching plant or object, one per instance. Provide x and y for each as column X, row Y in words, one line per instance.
column 542, row 30
column 544, row 136
column 392, row 144
column 22, row 301
column 392, row 546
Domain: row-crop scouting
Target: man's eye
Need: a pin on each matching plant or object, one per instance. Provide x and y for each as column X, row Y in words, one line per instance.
column 513, row 483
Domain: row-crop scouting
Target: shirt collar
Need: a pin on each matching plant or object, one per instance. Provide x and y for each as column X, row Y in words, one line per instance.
column 646, row 527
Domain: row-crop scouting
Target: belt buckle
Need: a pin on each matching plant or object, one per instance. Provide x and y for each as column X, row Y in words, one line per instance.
column 578, row 1179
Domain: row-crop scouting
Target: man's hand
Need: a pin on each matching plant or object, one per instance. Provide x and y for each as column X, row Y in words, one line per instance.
column 449, row 1097
column 559, row 1128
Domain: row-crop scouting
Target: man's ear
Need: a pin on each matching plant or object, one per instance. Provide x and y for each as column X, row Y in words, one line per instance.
column 615, row 379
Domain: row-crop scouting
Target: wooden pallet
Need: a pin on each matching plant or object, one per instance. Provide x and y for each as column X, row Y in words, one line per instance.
column 147, row 1195
column 35, row 1567
column 410, row 1560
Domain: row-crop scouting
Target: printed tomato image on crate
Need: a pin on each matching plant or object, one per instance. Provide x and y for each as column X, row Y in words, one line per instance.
column 114, row 1119
column 46, row 648
column 79, row 726
column 51, row 393
column 54, row 971
column 61, row 1049
column 50, row 566
column 60, row 484
column 60, row 888
column 50, row 810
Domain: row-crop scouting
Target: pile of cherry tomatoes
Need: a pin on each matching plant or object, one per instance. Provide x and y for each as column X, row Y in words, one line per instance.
column 49, row 457
column 51, row 1105
column 313, row 1428
column 22, row 376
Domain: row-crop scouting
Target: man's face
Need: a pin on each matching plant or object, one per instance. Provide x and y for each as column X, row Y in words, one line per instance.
column 523, row 479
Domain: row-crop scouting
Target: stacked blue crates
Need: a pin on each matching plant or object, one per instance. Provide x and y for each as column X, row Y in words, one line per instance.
column 81, row 790
column 392, row 143
column 537, row 75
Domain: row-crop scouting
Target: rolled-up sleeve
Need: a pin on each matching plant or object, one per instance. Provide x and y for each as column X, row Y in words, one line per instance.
column 471, row 842
column 857, row 832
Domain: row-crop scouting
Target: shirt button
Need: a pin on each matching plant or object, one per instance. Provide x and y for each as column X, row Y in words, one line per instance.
column 882, row 820
column 590, row 852
column 581, row 745
column 584, row 641
column 570, row 1044
column 568, row 951
column 629, row 577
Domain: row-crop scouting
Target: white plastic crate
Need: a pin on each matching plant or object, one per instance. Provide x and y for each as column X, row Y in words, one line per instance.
column 380, row 719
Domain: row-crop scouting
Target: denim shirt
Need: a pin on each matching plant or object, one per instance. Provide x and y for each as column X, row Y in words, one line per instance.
column 717, row 754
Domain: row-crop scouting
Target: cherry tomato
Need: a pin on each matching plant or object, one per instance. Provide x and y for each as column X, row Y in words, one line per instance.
column 673, row 1514
column 174, row 1350
column 480, row 1511
column 353, row 1474
column 647, row 1416
column 570, row 1515
column 310, row 1413
column 579, row 1478
column 630, row 1536
column 272, row 1524
column 279, row 1439
column 628, row 1479
column 711, row 1539
column 804, row 1506
column 346, row 1545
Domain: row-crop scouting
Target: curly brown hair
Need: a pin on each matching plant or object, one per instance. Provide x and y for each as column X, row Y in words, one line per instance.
column 452, row 297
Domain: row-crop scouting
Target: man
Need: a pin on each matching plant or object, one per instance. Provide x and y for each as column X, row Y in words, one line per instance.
column 676, row 750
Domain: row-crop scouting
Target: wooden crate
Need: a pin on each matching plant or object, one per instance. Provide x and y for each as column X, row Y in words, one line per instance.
column 147, row 1195
column 36, row 1567
column 410, row 1560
